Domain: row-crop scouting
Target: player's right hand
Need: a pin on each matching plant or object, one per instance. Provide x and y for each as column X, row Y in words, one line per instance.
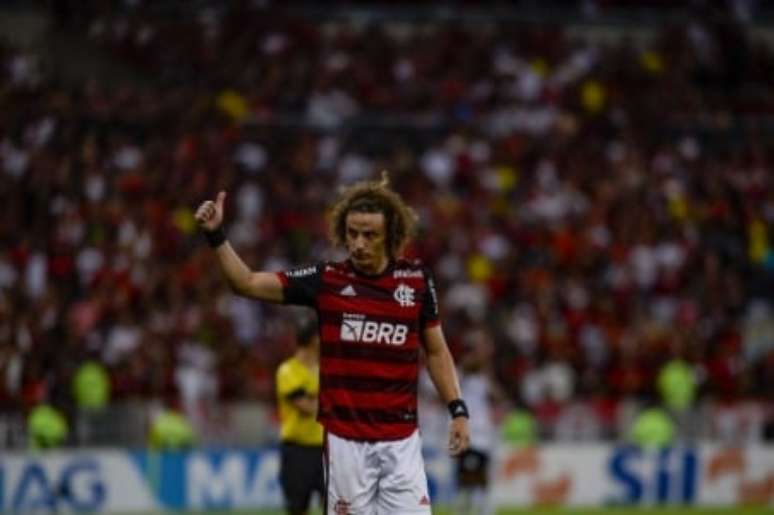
column 209, row 215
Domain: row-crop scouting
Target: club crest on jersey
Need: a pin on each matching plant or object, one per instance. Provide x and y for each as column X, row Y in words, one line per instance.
column 404, row 295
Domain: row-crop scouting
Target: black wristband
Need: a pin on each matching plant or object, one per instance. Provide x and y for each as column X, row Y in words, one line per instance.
column 458, row 408
column 215, row 238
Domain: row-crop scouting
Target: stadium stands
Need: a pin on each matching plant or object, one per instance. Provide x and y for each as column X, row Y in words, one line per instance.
column 603, row 208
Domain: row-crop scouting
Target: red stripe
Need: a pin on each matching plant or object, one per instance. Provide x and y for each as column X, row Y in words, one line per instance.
column 283, row 279
column 369, row 400
column 366, row 306
column 370, row 432
column 371, row 352
column 358, row 367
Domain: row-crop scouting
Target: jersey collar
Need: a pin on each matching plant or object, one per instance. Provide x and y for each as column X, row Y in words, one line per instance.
column 387, row 270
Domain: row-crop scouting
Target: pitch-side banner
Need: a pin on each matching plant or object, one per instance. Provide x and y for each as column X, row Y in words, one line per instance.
column 595, row 475
column 104, row 481
column 125, row 481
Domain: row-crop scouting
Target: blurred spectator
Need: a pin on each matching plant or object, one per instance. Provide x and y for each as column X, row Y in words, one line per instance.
column 47, row 428
column 479, row 392
column 735, row 422
column 519, row 428
column 91, row 393
column 171, row 431
column 677, row 385
column 585, row 202
column 652, row 429
column 91, row 386
column 578, row 421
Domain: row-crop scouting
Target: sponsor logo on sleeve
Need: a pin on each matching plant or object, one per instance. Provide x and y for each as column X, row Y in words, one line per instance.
column 302, row 272
column 433, row 294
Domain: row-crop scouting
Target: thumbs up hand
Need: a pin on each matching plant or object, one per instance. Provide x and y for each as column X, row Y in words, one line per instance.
column 209, row 214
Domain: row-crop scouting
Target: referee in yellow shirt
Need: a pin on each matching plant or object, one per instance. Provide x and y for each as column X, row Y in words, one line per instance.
column 301, row 465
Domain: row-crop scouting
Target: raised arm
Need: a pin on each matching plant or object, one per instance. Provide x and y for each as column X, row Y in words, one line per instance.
column 259, row 285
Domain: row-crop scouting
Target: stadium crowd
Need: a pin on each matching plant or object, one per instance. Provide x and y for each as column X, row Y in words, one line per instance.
column 600, row 209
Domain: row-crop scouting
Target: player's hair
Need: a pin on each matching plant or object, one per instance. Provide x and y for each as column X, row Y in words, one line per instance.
column 374, row 197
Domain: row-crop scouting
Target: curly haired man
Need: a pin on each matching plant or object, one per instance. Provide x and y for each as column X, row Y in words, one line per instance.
column 375, row 311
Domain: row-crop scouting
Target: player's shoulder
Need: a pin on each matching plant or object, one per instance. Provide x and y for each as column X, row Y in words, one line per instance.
column 334, row 268
column 410, row 269
column 319, row 268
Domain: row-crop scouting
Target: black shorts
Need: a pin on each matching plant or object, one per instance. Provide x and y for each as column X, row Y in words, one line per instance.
column 301, row 473
column 472, row 468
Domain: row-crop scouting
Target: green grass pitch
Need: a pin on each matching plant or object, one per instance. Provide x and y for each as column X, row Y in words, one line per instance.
column 548, row 511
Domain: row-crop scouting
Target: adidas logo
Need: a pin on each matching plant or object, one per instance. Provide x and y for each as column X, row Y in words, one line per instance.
column 348, row 291
column 424, row 501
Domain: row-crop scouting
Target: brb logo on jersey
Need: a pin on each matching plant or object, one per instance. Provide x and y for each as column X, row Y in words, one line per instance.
column 404, row 294
column 355, row 328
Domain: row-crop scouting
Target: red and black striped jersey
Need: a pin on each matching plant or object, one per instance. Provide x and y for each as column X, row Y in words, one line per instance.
column 370, row 334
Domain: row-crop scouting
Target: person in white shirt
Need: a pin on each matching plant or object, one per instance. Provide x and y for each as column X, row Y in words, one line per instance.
column 480, row 390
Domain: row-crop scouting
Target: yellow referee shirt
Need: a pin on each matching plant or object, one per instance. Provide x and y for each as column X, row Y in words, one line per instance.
column 292, row 376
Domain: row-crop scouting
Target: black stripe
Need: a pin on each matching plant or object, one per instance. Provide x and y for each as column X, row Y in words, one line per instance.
column 363, row 291
column 371, row 353
column 371, row 415
column 368, row 384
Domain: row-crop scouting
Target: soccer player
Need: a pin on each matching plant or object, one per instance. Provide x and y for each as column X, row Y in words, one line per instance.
column 301, row 436
column 375, row 311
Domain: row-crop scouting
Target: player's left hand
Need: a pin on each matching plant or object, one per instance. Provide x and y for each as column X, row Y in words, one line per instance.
column 459, row 435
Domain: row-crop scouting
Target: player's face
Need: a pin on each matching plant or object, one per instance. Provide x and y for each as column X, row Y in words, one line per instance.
column 366, row 241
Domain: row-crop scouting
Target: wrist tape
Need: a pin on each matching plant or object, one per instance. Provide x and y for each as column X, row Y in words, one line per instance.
column 215, row 238
column 458, row 408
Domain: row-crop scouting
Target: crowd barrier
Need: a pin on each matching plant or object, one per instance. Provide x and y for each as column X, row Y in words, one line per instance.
column 113, row 480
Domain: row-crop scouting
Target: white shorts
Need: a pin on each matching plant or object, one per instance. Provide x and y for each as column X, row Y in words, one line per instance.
column 376, row 478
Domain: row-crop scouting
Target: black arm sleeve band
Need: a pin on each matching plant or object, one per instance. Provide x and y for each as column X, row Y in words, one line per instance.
column 458, row 408
column 303, row 286
column 215, row 238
